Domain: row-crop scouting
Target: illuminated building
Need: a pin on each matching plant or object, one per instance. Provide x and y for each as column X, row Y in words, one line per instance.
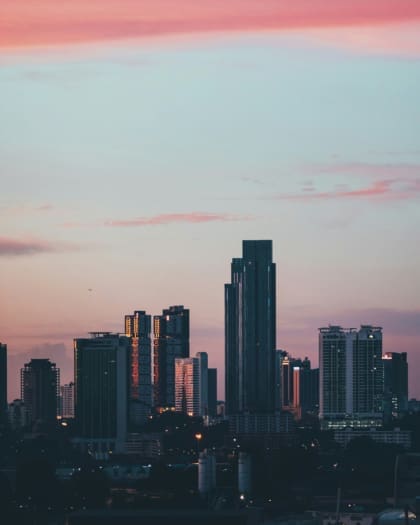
column 40, row 390
column 250, row 330
column 171, row 341
column 67, row 401
column 395, row 384
column 138, row 328
column 351, row 376
column 3, row 383
column 191, row 385
column 102, row 392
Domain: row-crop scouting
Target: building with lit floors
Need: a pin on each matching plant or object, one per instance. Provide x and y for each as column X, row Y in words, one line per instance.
column 171, row 341
column 40, row 391
column 250, row 331
column 395, row 385
column 191, row 385
column 351, row 379
column 3, row 383
column 67, row 401
column 138, row 328
column 102, row 389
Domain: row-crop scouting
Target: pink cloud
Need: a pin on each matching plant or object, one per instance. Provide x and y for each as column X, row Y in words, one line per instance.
column 393, row 170
column 50, row 23
column 10, row 247
column 173, row 218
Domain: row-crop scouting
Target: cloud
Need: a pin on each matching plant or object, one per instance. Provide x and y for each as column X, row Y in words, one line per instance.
column 174, row 218
column 385, row 182
column 10, row 247
column 47, row 23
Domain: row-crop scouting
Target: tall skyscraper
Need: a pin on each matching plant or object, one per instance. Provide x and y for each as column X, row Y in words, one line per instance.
column 351, row 376
column 138, row 328
column 3, row 383
column 40, row 390
column 102, row 371
column 395, row 384
column 212, row 391
column 191, row 385
column 171, row 341
column 250, row 330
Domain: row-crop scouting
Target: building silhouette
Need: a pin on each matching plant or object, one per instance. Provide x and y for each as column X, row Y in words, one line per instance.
column 102, row 390
column 171, row 341
column 212, row 392
column 138, row 328
column 395, row 384
column 3, row 383
column 67, row 401
column 250, row 330
column 40, row 390
column 351, row 376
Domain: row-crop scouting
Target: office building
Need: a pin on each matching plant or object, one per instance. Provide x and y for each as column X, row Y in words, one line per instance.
column 102, row 387
column 351, row 376
column 18, row 415
column 3, row 383
column 191, row 385
column 212, row 392
column 138, row 328
column 40, row 390
column 171, row 341
column 250, row 331
column 67, row 401
column 395, row 384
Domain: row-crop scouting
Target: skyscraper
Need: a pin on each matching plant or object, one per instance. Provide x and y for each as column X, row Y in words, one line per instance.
column 351, row 376
column 40, row 390
column 138, row 328
column 171, row 341
column 250, row 330
column 191, row 385
column 3, row 383
column 212, row 391
column 102, row 388
column 395, row 384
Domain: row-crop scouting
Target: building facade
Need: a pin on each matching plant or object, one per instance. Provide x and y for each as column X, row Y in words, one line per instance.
column 171, row 341
column 138, row 328
column 395, row 384
column 3, row 383
column 250, row 330
column 40, row 390
column 191, row 385
column 67, row 401
column 102, row 387
column 351, row 376
column 212, row 391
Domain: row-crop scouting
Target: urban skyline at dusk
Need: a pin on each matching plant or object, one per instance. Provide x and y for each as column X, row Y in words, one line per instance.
column 132, row 168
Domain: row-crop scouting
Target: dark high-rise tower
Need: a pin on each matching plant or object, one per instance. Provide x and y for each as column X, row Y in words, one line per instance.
column 250, row 330
column 138, row 328
column 3, row 383
column 171, row 340
column 40, row 390
column 395, row 384
column 101, row 374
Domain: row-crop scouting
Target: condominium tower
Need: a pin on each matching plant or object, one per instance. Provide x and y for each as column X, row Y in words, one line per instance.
column 351, row 376
column 171, row 341
column 250, row 330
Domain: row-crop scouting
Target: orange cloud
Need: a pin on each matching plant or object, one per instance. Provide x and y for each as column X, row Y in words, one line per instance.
column 49, row 23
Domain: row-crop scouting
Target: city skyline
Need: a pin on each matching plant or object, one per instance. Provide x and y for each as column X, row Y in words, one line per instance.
column 133, row 166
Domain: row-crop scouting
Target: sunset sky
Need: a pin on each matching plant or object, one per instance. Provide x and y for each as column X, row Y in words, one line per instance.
column 141, row 141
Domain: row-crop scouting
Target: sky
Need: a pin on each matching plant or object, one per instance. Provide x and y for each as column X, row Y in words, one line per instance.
column 142, row 141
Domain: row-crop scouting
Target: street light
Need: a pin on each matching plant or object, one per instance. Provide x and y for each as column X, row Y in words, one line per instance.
column 198, row 437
